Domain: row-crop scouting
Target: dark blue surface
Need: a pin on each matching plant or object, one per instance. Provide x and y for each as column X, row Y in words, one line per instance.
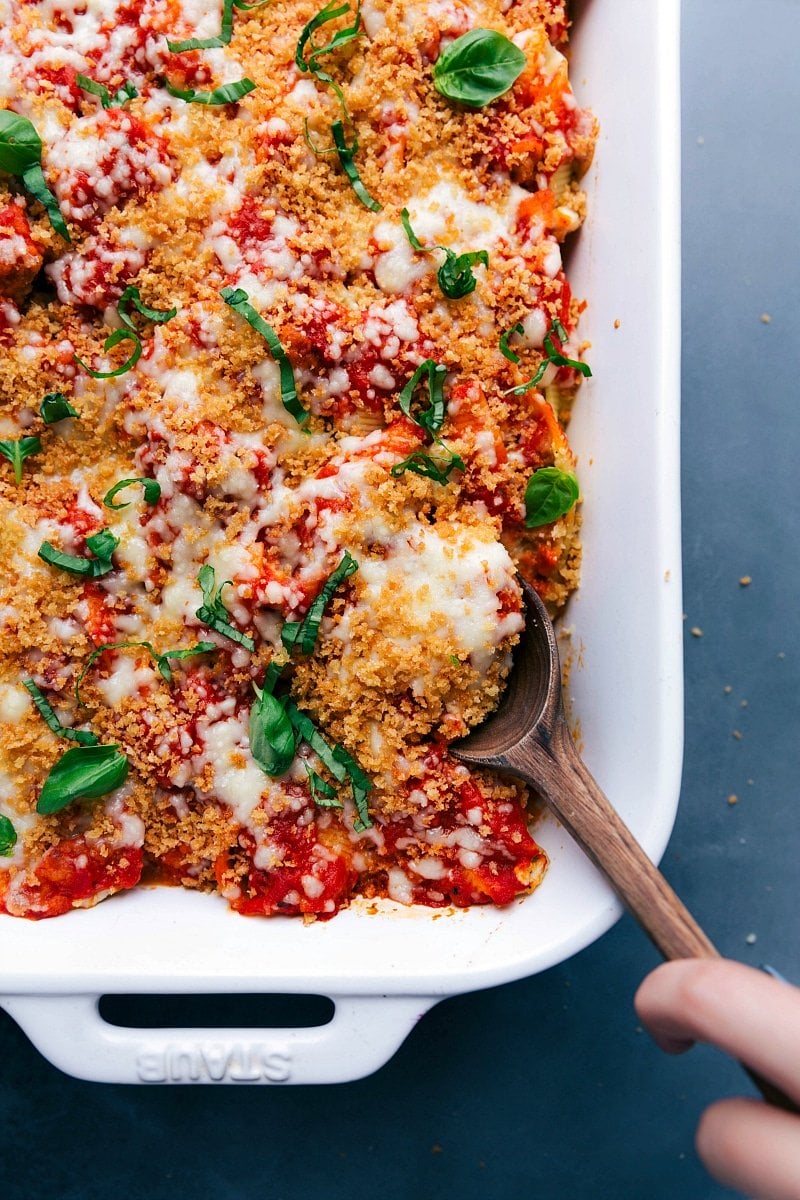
column 546, row 1088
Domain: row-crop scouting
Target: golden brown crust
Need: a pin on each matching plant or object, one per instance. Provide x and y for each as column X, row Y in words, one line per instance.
column 234, row 196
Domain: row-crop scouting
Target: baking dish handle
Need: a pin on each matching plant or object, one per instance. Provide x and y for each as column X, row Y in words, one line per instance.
column 364, row 1033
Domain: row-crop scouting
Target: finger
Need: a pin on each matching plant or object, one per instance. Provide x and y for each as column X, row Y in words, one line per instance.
column 744, row 1012
column 751, row 1147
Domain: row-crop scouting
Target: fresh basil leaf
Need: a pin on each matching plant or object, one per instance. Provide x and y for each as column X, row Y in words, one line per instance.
column 478, row 67
column 505, row 349
column 302, row 635
column 455, row 275
column 152, row 491
column 17, row 450
column 432, row 417
column 346, row 156
column 56, row 407
column 20, row 144
column 420, row 463
column 83, row 736
column 102, row 544
column 82, row 773
column 239, row 301
column 227, row 93
column 213, row 613
column 337, row 760
column 8, row 837
column 225, row 33
column 272, row 739
column 21, row 155
column 121, row 96
column 549, row 494
column 120, row 335
column 322, row 793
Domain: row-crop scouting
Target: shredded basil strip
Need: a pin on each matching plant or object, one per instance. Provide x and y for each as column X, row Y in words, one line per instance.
column 162, row 661
column 302, row 635
column 213, row 613
column 420, row 463
column 557, row 357
column 82, row 773
column 227, row 93
column 226, row 30
column 273, row 741
column 56, row 407
column 432, row 417
column 414, row 241
column 120, row 335
column 322, row 793
column 551, row 356
column 272, row 675
column 341, row 38
column 21, row 155
column 455, row 276
column 337, row 760
column 550, row 493
column 478, row 67
column 121, row 96
column 152, row 492
column 83, row 736
column 239, row 301
column 131, row 298
column 346, row 155
column 16, row 450
column 505, row 349
column 34, row 181
column 101, row 544
column 8, row 837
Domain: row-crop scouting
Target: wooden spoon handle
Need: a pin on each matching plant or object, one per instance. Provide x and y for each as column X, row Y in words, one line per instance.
column 559, row 775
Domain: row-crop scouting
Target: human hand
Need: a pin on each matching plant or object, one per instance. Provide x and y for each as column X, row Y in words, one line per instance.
column 746, row 1144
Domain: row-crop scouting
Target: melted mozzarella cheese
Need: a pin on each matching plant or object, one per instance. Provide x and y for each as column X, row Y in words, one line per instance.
column 443, row 586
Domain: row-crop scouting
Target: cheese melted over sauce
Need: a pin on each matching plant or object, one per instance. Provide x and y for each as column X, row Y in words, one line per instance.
column 180, row 201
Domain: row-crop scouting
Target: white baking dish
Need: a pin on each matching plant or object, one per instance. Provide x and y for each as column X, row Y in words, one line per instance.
column 383, row 971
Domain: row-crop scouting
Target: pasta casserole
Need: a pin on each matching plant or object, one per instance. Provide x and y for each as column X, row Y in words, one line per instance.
column 286, row 356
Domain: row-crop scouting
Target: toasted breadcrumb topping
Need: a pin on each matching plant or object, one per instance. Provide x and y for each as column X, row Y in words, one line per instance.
column 180, row 205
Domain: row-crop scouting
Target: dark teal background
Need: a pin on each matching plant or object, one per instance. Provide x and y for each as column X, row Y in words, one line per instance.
column 547, row 1088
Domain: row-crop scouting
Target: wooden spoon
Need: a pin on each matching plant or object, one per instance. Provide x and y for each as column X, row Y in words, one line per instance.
column 529, row 737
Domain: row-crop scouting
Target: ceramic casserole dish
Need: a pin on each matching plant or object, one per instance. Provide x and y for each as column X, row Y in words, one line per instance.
column 384, row 970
